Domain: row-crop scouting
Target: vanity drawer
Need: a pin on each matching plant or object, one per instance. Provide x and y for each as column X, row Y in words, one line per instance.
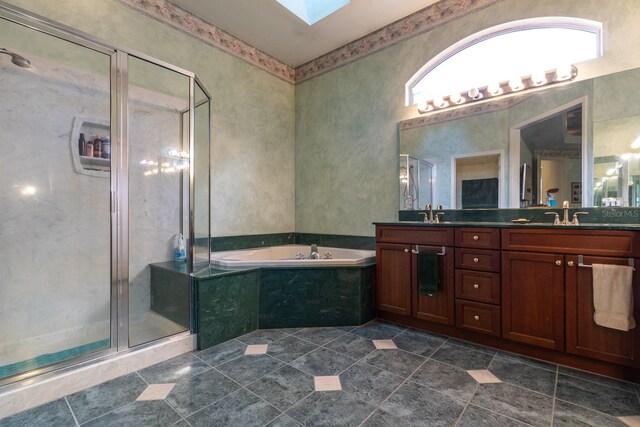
column 478, row 286
column 478, row 259
column 419, row 235
column 480, row 238
column 478, row 317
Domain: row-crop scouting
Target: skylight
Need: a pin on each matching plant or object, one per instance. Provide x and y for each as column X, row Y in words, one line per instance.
column 312, row 11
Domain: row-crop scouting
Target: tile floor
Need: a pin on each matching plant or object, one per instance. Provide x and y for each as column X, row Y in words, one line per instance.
column 374, row 375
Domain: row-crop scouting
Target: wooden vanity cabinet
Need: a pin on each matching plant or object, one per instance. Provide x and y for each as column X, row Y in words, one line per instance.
column 397, row 272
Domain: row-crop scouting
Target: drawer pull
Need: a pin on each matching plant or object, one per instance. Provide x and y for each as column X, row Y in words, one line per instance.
column 570, row 263
column 476, row 286
column 476, row 317
column 406, row 250
column 476, row 259
column 475, row 237
column 558, row 262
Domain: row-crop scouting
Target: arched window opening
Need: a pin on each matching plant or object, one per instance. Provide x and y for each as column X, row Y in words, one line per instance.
column 495, row 58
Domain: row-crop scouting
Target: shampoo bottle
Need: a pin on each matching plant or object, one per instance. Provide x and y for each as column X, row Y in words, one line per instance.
column 179, row 254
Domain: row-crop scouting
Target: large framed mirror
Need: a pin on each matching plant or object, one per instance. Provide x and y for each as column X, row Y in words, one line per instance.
column 578, row 142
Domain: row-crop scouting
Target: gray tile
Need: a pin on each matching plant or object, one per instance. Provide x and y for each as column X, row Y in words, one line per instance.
column 241, row 408
column 381, row 418
column 475, row 416
column 376, row 331
column 515, row 402
column 173, row 370
column 181, row 423
column 462, row 357
column 568, row 415
column 472, row 346
column 421, row 343
column 100, row 399
column 369, row 383
column 447, row 379
column 605, row 399
column 415, row 404
column 322, row 362
column 332, row 408
column 353, row 346
column 284, row 420
column 599, row 379
column 319, row 336
column 262, row 336
column 290, row 348
column 195, row 393
column 246, row 369
column 528, row 360
column 289, row 330
column 523, row 375
column 398, row 362
column 222, row 353
column 400, row 328
column 284, row 387
column 148, row 413
column 52, row 414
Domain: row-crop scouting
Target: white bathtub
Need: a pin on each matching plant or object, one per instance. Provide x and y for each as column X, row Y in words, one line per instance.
column 285, row 256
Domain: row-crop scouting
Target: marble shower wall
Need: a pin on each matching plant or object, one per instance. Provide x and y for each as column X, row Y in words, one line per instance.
column 346, row 119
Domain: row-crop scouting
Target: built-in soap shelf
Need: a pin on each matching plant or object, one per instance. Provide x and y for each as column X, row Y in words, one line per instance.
column 90, row 127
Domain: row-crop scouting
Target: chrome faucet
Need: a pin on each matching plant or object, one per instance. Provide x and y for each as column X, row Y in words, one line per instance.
column 314, row 252
column 565, row 216
column 429, row 216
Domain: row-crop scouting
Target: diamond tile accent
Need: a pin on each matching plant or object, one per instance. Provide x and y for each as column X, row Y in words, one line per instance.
column 385, row 345
column 484, row 376
column 156, row 391
column 632, row 421
column 253, row 349
column 327, row 383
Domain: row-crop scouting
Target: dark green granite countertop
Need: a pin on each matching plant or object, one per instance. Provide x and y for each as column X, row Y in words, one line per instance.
column 509, row 224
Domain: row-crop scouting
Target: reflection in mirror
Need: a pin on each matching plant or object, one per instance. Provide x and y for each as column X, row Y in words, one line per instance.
column 478, row 183
column 416, row 182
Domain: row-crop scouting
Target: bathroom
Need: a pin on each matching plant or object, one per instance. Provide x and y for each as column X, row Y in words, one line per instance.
column 306, row 159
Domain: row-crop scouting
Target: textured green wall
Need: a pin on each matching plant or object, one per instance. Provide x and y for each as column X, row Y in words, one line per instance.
column 252, row 113
column 346, row 120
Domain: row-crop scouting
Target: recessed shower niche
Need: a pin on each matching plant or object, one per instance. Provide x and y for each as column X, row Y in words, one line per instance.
column 84, row 227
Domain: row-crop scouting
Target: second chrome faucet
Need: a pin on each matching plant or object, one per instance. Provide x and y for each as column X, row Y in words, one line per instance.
column 429, row 216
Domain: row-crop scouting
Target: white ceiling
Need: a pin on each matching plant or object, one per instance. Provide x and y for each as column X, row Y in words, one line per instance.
column 268, row 26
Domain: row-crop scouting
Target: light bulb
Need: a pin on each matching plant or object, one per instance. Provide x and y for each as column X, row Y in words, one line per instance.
column 516, row 84
column 456, row 98
column 494, row 89
column 29, row 190
column 474, row 93
column 538, row 78
column 626, row 156
column 439, row 102
column 172, row 153
column 636, row 144
column 563, row 72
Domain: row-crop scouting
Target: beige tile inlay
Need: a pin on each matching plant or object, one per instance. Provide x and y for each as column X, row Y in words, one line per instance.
column 156, row 391
column 632, row 421
column 484, row 376
column 385, row 344
column 327, row 383
column 256, row 349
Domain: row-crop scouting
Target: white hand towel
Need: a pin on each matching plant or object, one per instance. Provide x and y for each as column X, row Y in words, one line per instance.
column 613, row 296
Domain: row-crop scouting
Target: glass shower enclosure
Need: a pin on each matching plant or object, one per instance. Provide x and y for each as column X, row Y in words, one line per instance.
column 105, row 163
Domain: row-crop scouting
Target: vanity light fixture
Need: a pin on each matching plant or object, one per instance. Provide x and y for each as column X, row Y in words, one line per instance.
column 534, row 81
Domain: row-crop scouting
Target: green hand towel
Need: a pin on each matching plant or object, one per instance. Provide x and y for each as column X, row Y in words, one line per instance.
column 428, row 273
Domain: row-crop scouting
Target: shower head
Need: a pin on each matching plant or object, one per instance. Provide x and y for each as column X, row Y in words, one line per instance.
column 18, row 60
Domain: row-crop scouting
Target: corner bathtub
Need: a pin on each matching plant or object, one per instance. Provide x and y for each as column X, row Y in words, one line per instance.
column 285, row 256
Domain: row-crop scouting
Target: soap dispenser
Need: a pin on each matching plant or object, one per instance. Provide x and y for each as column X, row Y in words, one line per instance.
column 179, row 254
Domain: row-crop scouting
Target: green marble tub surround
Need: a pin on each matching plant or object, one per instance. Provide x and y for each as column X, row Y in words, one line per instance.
column 613, row 217
column 302, row 297
column 229, row 243
column 336, row 241
column 226, row 305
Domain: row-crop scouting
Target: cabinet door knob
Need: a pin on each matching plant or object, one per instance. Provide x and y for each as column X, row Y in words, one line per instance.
column 558, row 262
column 475, row 237
column 413, row 251
column 476, row 317
column 406, row 250
column 476, row 260
column 476, row 286
column 570, row 263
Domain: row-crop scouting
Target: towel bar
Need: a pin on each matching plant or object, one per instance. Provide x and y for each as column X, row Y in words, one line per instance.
column 582, row 264
column 417, row 251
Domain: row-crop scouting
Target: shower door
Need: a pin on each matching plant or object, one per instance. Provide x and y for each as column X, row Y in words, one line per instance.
column 55, row 216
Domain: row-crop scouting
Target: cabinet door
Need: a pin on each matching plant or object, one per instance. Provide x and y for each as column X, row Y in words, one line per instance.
column 533, row 298
column 393, row 278
column 586, row 338
column 438, row 307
